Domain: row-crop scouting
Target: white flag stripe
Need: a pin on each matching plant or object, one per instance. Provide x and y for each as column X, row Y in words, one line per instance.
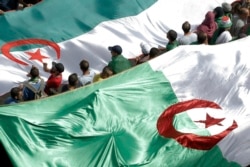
column 219, row 74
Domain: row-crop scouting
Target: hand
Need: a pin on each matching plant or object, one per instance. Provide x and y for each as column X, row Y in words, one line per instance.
column 1, row 12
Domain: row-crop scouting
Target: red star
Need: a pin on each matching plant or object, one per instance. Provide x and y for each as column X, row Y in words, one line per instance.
column 210, row 121
column 36, row 55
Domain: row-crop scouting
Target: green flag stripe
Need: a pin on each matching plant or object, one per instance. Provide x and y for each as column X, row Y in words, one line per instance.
column 62, row 20
column 109, row 123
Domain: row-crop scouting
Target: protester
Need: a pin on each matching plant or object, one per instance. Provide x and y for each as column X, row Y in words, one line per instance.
column 118, row 63
column 218, row 13
column 222, row 34
column 73, row 83
column 202, row 39
column 189, row 36
column 172, row 41
column 35, row 83
column 208, row 25
column 55, row 79
column 154, row 52
column 16, row 95
column 87, row 73
column 227, row 8
column 145, row 48
column 239, row 22
column 245, row 29
column 106, row 73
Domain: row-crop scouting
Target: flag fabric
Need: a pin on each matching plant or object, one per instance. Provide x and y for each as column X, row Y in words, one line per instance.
column 68, row 32
column 188, row 107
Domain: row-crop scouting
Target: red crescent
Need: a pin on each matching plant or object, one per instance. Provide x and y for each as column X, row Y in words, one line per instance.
column 165, row 126
column 7, row 47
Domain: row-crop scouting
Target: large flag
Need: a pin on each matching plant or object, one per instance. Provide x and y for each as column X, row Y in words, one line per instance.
column 66, row 31
column 188, row 107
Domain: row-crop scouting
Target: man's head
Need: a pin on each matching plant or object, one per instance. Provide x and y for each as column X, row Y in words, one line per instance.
column 16, row 93
column 34, row 72
column 57, row 67
column 73, row 79
column 84, row 65
column 171, row 35
column 244, row 13
column 106, row 72
column 115, row 50
column 154, row 52
column 186, row 27
column 202, row 38
column 227, row 7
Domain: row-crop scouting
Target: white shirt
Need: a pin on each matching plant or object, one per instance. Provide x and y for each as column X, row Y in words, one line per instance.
column 224, row 37
column 87, row 79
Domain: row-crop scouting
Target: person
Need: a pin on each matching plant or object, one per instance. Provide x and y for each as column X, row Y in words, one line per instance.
column 202, row 39
column 189, row 36
column 55, row 79
column 87, row 73
column 106, row 73
column 239, row 22
column 172, row 41
column 218, row 14
column 227, row 8
column 208, row 25
column 245, row 29
column 246, row 4
column 154, row 52
column 73, row 83
column 145, row 48
column 222, row 34
column 16, row 95
column 34, row 83
column 118, row 63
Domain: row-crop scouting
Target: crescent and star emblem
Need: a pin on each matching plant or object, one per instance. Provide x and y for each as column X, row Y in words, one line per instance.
column 6, row 48
column 166, row 129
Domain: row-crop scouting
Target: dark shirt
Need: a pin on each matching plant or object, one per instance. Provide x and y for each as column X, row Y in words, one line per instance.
column 10, row 100
column 7, row 5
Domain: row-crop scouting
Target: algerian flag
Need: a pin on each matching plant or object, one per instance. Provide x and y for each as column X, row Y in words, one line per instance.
column 69, row 31
column 188, row 107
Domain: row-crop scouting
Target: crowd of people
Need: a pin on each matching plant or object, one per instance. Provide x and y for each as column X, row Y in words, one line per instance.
column 225, row 23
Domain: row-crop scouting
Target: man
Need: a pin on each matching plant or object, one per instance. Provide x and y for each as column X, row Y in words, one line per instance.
column 189, row 36
column 73, row 83
column 16, row 95
column 118, row 63
column 87, row 73
column 34, row 84
column 54, row 81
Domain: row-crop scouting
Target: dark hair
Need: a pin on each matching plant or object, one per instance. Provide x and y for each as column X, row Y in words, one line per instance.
column 186, row 27
column 14, row 92
column 106, row 72
column 218, row 11
column 34, row 72
column 73, row 79
column 201, row 37
column 154, row 52
column 172, row 35
column 84, row 65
